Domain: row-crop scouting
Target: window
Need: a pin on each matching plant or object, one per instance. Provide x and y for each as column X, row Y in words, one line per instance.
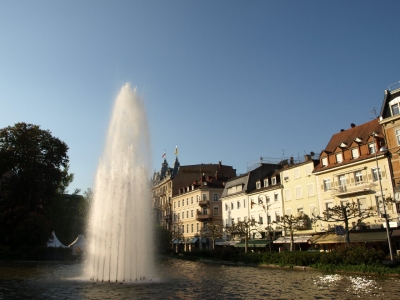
column 260, row 219
column 197, row 198
column 174, row 204
column 215, row 197
column 244, row 203
column 183, row 202
column 187, row 214
column 286, row 175
column 308, row 170
column 287, row 194
column 183, row 215
column 265, row 182
column 328, row 205
column 312, row 210
column 342, row 183
column 187, row 228
column 204, row 197
column 238, row 204
column 394, row 106
column 258, row 185
column 276, row 197
column 215, row 210
column 371, row 148
column 327, row 185
column 245, row 219
column 269, row 219
column 354, row 153
column 197, row 226
column 192, row 227
column 239, row 220
column 191, row 200
column 273, row 180
column 339, row 157
column 310, row 189
column 267, row 199
column 187, row 201
column 174, row 217
column 358, row 177
column 324, row 161
column 397, row 132
column 298, row 192
column 277, row 217
column 233, row 221
column 376, row 174
column 296, row 173
column 231, row 205
column 179, row 203
column 183, row 228
column 362, row 204
column 288, row 211
column 191, row 213
column 226, row 206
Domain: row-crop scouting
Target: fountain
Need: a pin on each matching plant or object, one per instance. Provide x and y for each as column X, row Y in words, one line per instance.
column 120, row 239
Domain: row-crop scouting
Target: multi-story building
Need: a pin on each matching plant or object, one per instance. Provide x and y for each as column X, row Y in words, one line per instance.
column 194, row 208
column 390, row 121
column 237, row 202
column 354, row 167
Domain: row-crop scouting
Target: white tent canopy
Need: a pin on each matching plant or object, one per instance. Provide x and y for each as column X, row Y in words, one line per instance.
column 54, row 242
column 78, row 245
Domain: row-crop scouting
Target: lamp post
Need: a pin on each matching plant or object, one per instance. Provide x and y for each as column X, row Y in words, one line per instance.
column 374, row 134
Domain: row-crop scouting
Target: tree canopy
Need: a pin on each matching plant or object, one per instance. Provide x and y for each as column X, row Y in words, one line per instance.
column 33, row 168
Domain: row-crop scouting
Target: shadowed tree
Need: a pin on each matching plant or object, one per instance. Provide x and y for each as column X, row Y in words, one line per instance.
column 243, row 229
column 342, row 214
column 291, row 224
column 214, row 232
column 33, row 167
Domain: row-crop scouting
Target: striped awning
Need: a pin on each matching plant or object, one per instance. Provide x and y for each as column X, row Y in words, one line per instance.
column 355, row 237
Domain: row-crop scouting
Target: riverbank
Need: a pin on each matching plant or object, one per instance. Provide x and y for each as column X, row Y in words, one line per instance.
column 297, row 268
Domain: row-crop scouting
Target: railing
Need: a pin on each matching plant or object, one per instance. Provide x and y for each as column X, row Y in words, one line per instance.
column 203, row 216
column 204, row 202
column 394, row 86
column 353, row 188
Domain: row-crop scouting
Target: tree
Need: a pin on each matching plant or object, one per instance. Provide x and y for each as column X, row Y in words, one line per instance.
column 343, row 214
column 214, row 232
column 33, row 166
column 243, row 229
column 290, row 224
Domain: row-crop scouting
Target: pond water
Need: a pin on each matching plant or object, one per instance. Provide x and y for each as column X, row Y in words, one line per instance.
column 178, row 279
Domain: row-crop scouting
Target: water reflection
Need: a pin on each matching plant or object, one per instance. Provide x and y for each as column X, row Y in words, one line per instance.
column 191, row 280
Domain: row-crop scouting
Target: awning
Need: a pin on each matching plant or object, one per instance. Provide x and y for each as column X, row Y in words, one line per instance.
column 254, row 243
column 226, row 243
column 359, row 237
column 297, row 239
column 193, row 240
column 176, row 241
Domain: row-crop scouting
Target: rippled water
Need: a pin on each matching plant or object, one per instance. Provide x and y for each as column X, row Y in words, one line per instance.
column 191, row 280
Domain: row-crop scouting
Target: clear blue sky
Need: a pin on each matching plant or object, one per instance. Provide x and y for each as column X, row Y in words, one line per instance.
column 225, row 80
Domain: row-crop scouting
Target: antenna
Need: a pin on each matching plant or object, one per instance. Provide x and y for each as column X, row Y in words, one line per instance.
column 373, row 111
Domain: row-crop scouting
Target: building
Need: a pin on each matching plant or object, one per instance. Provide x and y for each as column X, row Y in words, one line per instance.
column 194, row 209
column 241, row 204
column 353, row 167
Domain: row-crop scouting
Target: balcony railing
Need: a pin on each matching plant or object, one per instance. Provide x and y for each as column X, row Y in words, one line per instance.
column 203, row 216
column 204, row 203
column 353, row 188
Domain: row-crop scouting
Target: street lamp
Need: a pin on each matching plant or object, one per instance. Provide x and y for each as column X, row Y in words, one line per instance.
column 374, row 134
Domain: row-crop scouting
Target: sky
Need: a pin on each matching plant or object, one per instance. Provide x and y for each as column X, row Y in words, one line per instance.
column 225, row 80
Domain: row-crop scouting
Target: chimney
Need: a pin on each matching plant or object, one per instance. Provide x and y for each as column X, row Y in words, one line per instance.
column 216, row 175
column 352, row 125
column 291, row 161
column 307, row 157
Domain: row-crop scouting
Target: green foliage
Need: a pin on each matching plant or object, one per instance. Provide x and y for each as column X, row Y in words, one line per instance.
column 163, row 240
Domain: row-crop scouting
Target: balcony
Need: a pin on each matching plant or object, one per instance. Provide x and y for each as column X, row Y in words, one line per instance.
column 349, row 189
column 203, row 216
column 204, row 203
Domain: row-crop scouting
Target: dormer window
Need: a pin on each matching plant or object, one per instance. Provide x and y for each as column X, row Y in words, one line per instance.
column 355, row 153
column 273, row 180
column 258, row 185
column 343, row 145
column 265, row 182
column 324, row 161
column 339, row 157
column 394, row 106
column 358, row 140
column 371, row 148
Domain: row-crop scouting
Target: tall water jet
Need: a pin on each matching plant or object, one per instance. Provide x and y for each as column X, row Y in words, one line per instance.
column 120, row 239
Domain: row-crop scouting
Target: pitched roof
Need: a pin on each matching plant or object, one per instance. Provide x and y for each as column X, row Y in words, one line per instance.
column 348, row 136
